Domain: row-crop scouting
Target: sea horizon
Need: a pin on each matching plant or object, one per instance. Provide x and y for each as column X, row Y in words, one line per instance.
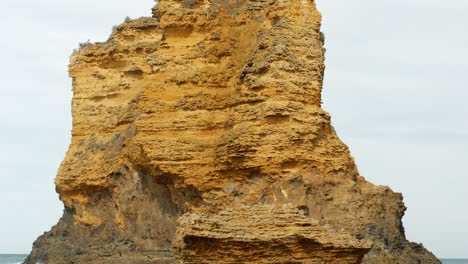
column 19, row 258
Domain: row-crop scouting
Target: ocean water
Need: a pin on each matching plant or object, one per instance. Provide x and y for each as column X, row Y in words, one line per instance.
column 16, row 259
column 11, row 259
column 454, row 261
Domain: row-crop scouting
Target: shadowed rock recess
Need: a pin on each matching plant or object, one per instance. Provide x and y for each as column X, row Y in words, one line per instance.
column 199, row 137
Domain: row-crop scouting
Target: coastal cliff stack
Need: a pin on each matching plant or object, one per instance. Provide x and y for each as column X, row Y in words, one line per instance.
column 198, row 137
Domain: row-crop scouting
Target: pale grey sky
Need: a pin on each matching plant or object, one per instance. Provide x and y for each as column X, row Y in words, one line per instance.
column 395, row 85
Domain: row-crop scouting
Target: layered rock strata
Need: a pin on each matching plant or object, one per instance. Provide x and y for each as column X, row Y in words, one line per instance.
column 263, row 234
column 198, row 137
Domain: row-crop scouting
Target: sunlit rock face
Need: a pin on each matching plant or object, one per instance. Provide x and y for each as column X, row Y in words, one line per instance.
column 199, row 137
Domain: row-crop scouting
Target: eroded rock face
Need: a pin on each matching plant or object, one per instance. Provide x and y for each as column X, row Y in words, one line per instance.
column 199, row 132
column 263, row 234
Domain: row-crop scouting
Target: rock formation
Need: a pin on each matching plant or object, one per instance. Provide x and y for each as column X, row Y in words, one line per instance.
column 198, row 137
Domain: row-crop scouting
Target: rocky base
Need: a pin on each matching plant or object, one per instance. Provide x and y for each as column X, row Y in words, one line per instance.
column 263, row 234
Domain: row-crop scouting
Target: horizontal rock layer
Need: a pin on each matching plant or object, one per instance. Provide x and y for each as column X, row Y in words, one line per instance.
column 263, row 234
column 208, row 105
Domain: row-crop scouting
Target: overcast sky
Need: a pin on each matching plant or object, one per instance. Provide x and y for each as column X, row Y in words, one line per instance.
column 396, row 86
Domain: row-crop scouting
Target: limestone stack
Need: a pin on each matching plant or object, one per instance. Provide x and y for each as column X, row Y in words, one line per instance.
column 198, row 137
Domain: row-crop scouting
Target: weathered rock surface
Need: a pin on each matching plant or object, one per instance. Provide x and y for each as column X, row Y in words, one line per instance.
column 263, row 234
column 198, row 137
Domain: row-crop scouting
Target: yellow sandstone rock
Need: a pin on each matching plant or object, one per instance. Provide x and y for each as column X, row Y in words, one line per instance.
column 199, row 137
